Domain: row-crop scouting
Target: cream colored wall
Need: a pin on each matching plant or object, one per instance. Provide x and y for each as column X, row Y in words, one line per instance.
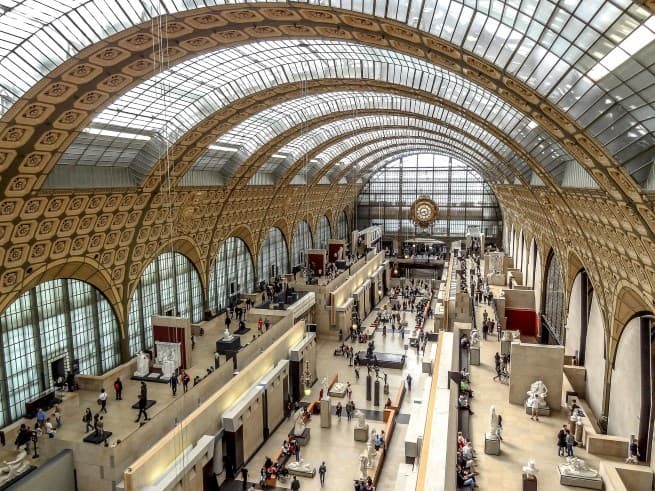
column 537, row 284
column 342, row 293
column 275, row 399
column 206, row 418
column 253, row 427
column 574, row 319
column 531, row 362
column 595, row 360
column 625, row 395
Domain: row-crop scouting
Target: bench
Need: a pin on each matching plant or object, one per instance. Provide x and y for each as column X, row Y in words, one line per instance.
column 463, row 422
column 397, row 401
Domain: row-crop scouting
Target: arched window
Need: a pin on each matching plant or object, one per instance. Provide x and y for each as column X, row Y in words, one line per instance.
column 342, row 227
column 232, row 273
column 553, row 311
column 273, row 256
column 323, row 233
column 63, row 319
column 170, row 283
column 302, row 240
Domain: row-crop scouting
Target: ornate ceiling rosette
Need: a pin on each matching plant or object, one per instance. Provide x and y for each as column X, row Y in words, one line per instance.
column 424, row 212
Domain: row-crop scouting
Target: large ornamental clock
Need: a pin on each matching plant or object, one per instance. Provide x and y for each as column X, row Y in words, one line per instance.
column 423, row 212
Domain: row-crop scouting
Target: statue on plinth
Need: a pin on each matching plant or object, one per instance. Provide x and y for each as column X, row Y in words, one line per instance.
column 11, row 470
column 578, row 467
column 361, row 421
column 301, row 466
column 142, row 364
column 363, row 466
column 493, row 422
column 475, row 339
column 507, row 336
column 324, row 386
column 530, row 470
column 299, row 427
column 227, row 335
column 538, row 391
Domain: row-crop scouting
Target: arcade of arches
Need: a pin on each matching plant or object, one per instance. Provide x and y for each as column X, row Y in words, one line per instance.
column 173, row 157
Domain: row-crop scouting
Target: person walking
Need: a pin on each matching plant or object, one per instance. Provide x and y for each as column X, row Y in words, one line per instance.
column 118, row 388
column 339, row 410
column 57, row 415
column 102, row 400
column 244, row 476
column 295, row 484
column 173, row 383
column 561, row 442
column 185, row 380
column 409, row 382
column 143, row 404
column 86, row 419
column 356, row 374
column 321, row 473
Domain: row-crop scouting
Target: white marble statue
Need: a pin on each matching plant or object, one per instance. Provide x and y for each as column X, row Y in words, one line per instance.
column 339, row 388
column 475, row 339
column 340, row 254
column 169, row 357
column 299, row 427
column 227, row 335
column 363, row 466
column 14, row 468
column 324, row 386
column 530, row 470
column 361, row 421
column 539, row 391
column 301, row 466
column 142, row 364
column 579, row 468
column 507, row 336
column 493, row 421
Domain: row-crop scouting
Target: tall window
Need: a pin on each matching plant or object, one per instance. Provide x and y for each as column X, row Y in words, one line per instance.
column 273, row 256
column 323, row 233
column 464, row 199
column 342, row 227
column 302, row 240
column 59, row 318
column 231, row 274
column 553, row 312
column 169, row 283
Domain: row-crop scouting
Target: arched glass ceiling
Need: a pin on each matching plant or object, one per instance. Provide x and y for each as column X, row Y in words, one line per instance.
column 256, row 131
column 296, row 148
column 494, row 169
column 366, row 160
column 571, row 52
column 200, row 86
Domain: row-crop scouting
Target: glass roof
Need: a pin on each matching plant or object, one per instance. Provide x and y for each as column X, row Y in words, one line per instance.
column 175, row 100
column 237, row 145
column 592, row 58
column 342, row 154
column 368, row 159
column 293, row 151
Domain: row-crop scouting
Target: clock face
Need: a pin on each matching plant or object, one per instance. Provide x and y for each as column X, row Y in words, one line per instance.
column 424, row 211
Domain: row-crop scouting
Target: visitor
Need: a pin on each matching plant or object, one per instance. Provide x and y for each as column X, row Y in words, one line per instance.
column 143, row 404
column 173, row 384
column 244, row 477
column 633, row 452
column 339, row 410
column 387, row 405
column 185, row 381
column 464, row 479
column 260, row 325
column 40, row 418
column 535, row 409
column 570, row 443
column 463, row 403
column 57, row 415
column 102, row 400
column 86, row 419
column 267, row 323
column 49, row 429
column 409, row 382
column 321, row 473
column 295, row 484
column 118, row 388
column 561, row 442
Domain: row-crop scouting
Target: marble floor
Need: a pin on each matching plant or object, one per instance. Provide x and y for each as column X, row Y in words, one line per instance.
column 336, row 445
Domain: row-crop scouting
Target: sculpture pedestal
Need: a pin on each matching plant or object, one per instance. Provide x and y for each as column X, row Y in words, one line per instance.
column 326, row 413
column 505, row 347
column 566, row 478
column 474, row 356
column 225, row 346
column 542, row 411
column 302, row 439
column 529, row 483
column 491, row 444
column 361, row 434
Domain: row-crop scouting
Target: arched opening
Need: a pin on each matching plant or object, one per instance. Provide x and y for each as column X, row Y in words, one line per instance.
column 552, row 314
column 342, row 227
column 232, row 274
column 273, row 256
column 302, row 240
column 170, row 285
column 57, row 326
column 323, row 233
column 577, row 318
